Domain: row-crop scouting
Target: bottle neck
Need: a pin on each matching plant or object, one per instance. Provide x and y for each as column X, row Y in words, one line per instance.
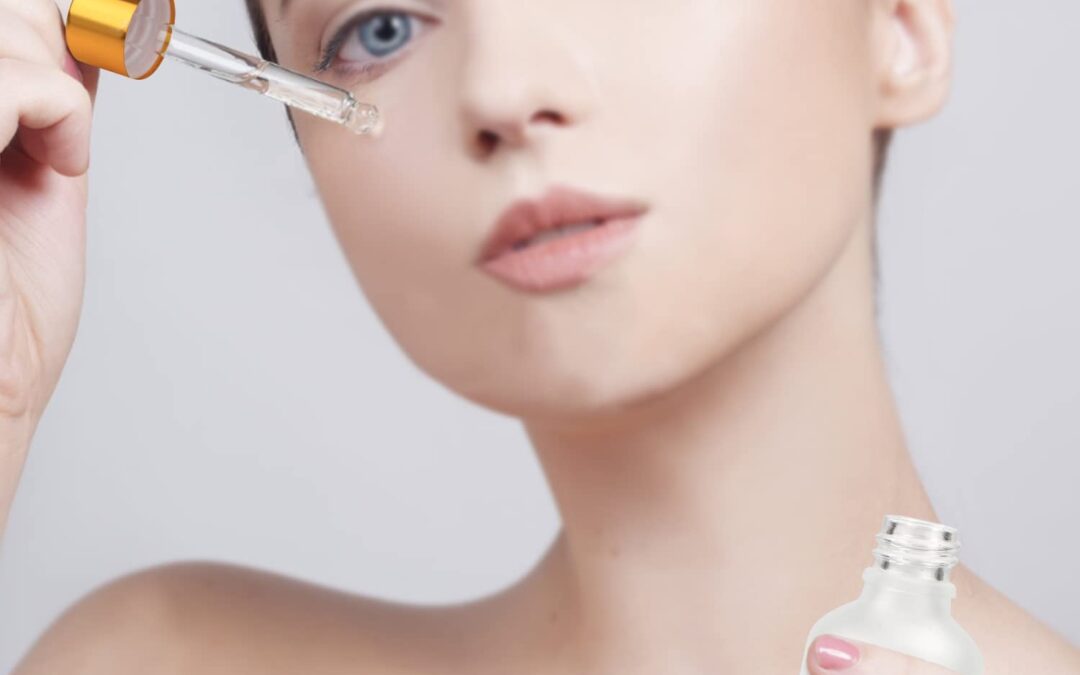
column 888, row 590
column 911, row 567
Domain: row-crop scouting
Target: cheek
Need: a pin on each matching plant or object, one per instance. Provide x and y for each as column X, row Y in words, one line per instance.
column 396, row 202
column 763, row 169
column 753, row 145
column 410, row 211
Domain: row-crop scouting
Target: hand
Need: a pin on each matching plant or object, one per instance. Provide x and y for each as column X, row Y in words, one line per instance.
column 829, row 654
column 46, row 102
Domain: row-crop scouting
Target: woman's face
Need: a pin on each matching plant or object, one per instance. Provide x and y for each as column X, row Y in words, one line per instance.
column 744, row 126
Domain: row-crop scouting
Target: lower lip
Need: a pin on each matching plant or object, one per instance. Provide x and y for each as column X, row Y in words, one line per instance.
column 564, row 262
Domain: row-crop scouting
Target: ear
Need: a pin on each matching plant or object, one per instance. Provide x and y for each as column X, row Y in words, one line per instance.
column 912, row 42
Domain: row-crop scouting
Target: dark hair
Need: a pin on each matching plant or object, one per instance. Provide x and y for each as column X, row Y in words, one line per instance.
column 266, row 50
column 262, row 33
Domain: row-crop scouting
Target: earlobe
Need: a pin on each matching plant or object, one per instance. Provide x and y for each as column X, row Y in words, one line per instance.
column 913, row 39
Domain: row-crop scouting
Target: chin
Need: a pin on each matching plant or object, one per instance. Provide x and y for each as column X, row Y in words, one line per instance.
column 575, row 387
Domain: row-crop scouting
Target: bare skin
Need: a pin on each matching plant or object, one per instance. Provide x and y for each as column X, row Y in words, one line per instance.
column 673, row 581
column 719, row 478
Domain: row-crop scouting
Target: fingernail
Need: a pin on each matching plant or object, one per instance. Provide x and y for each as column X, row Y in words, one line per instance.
column 832, row 653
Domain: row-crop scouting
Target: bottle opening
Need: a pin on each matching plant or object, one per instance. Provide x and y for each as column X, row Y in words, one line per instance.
column 916, row 547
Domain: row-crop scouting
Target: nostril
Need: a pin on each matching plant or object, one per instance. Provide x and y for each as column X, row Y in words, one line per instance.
column 548, row 116
column 488, row 141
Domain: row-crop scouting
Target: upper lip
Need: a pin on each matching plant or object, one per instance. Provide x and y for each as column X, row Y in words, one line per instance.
column 559, row 206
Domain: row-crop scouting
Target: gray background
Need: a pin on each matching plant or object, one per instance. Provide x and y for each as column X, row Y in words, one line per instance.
column 264, row 417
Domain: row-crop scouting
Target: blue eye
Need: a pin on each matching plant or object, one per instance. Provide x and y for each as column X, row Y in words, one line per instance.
column 384, row 33
column 372, row 34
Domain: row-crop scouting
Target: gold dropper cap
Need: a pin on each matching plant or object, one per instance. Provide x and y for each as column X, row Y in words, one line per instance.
column 119, row 35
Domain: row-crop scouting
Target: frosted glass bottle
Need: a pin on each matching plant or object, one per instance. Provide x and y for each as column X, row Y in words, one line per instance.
column 906, row 599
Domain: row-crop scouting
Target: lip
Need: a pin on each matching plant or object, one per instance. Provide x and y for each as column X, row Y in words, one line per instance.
column 568, row 259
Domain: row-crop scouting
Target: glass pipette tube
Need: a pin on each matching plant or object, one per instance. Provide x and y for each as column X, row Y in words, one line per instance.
column 289, row 87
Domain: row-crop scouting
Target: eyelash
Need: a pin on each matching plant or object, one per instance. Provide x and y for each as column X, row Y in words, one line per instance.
column 370, row 68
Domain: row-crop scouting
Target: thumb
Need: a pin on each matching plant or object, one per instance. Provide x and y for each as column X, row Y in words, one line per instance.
column 829, row 654
column 88, row 75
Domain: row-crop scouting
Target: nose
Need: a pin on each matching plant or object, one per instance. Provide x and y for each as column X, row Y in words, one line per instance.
column 522, row 75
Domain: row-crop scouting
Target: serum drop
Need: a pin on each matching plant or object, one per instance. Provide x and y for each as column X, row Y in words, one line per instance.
column 906, row 601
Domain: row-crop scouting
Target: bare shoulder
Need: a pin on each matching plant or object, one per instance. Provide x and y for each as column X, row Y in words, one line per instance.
column 1012, row 640
column 121, row 621
column 210, row 618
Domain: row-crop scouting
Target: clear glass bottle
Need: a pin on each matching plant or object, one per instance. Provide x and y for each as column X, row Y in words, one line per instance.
column 906, row 601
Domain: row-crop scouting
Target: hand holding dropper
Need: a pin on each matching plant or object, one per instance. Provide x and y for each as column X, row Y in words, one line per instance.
column 132, row 37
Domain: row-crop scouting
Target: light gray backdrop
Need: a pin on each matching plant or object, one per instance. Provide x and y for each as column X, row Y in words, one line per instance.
column 265, row 417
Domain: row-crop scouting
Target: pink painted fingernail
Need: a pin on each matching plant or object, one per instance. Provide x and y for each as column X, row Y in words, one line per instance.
column 832, row 653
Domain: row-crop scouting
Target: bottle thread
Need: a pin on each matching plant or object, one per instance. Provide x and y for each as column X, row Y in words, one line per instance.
column 916, row 548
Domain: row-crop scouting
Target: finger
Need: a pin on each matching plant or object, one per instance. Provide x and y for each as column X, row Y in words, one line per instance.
column 831, row 654
column 90, row 75
column 20, row 40
column 53, row 111
column 82, row 72
column 44, row 17
column 87, row 75
column 38, row 35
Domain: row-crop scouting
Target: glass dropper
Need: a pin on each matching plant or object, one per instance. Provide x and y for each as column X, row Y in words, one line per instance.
column 289, row 87
column 132, row 37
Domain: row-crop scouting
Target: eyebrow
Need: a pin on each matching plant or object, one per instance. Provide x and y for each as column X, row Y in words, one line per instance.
column 285, row 4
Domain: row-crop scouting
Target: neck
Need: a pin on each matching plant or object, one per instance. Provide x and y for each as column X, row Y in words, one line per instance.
column 728, row 514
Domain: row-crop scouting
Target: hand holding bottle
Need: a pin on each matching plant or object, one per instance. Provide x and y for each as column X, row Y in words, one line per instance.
column 901, row 623
column 46, row 101
column 830, row 655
